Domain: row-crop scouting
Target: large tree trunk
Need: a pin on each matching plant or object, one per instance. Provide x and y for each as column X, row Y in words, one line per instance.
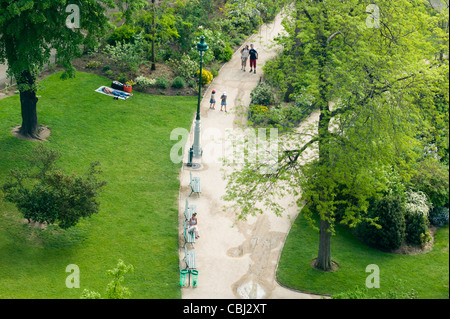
column 323, row 261
column 28, row 102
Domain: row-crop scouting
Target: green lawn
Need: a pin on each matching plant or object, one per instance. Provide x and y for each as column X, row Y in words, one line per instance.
column 427, row 274
column 138, row 219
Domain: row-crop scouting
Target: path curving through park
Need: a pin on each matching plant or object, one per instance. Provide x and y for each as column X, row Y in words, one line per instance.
column 235, row 259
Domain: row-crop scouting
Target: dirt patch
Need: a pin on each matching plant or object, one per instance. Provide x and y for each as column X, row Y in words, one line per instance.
column 334, row 265
column 44, row 133
column 406, row 249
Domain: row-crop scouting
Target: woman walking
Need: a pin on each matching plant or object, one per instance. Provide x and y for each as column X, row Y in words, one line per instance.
column 244, row 57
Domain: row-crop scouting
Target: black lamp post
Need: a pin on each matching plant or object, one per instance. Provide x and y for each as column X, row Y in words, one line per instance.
column 201, row 47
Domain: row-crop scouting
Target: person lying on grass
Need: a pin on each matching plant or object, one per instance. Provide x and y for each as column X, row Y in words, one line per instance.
column 117, row 94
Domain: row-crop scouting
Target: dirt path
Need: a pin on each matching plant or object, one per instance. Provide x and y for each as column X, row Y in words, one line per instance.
column 235, row 259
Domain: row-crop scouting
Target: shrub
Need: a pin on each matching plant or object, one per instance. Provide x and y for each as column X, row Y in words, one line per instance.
column 389, row 214
column 45, row 194
column 106, row 68
column 178, row 83
column 145, row 82
column 417, row 204
column 416, row 227
column 262, row 94
column 417, row 209
column 439, row 216
column 123, row 34
column 185, row 66
column 207, row 76
column 92, row 65
column 224, row 53
column 128, row 55
column 432, row 178
column 109, row 73
column 258, row 113
column 162, row 83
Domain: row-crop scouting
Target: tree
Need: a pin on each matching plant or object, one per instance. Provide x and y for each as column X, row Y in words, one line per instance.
column 373, row 73
column 114, row 290
column 43, row 193
column 31, row 29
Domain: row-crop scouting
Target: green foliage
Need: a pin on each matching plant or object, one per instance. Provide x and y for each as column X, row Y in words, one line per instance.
column 416, row 228
column 185, row 66
column 45, row 194
column 417, row 209
column 263, row 94
column 128, row 55
column 363, row 293
column 162, row 83
column 389, row 231
column 245, row 16
column 123, row 34
column 114, row 290
column 145, row 82
column 432, row 178
column 439, row 216
column 92, row 65
column 178, row 83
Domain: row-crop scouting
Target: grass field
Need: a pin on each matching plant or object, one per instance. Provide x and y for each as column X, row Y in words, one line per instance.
column 427, row 274
column 138, row 219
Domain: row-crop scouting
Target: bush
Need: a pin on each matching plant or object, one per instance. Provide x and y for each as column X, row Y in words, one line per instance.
column 178, row 83
column 224, row 53
column 92, row 65
column 390, row 212
column 262, row 94
column 145, row 82
column 45, row 194
column 162, row 83
column 417, row 209
column 439, row 216
column 416, row 227
column 128, row 55
column 207, row 76
column 185, row 66
column 123, row 34
column 432, row 178
column 258, row 113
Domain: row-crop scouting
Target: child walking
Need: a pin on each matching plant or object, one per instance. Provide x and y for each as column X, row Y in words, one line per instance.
column 212, row 101
column 224, row 101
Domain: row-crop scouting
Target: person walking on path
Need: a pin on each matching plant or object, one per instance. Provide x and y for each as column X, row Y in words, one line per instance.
column 244, row 57
column 212, row 101
column 224, row 101
column 253, row 57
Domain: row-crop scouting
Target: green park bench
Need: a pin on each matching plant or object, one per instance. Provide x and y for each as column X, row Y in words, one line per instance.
column 189, row 258
column 189, row 237
column 195, row 185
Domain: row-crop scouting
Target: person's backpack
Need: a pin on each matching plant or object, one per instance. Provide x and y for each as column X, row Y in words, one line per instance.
column 116, row 85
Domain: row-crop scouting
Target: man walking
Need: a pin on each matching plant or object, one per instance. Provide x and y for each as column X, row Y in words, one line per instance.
column 253, row 57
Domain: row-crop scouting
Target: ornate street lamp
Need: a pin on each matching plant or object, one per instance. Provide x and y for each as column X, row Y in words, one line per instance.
column 201, row 47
